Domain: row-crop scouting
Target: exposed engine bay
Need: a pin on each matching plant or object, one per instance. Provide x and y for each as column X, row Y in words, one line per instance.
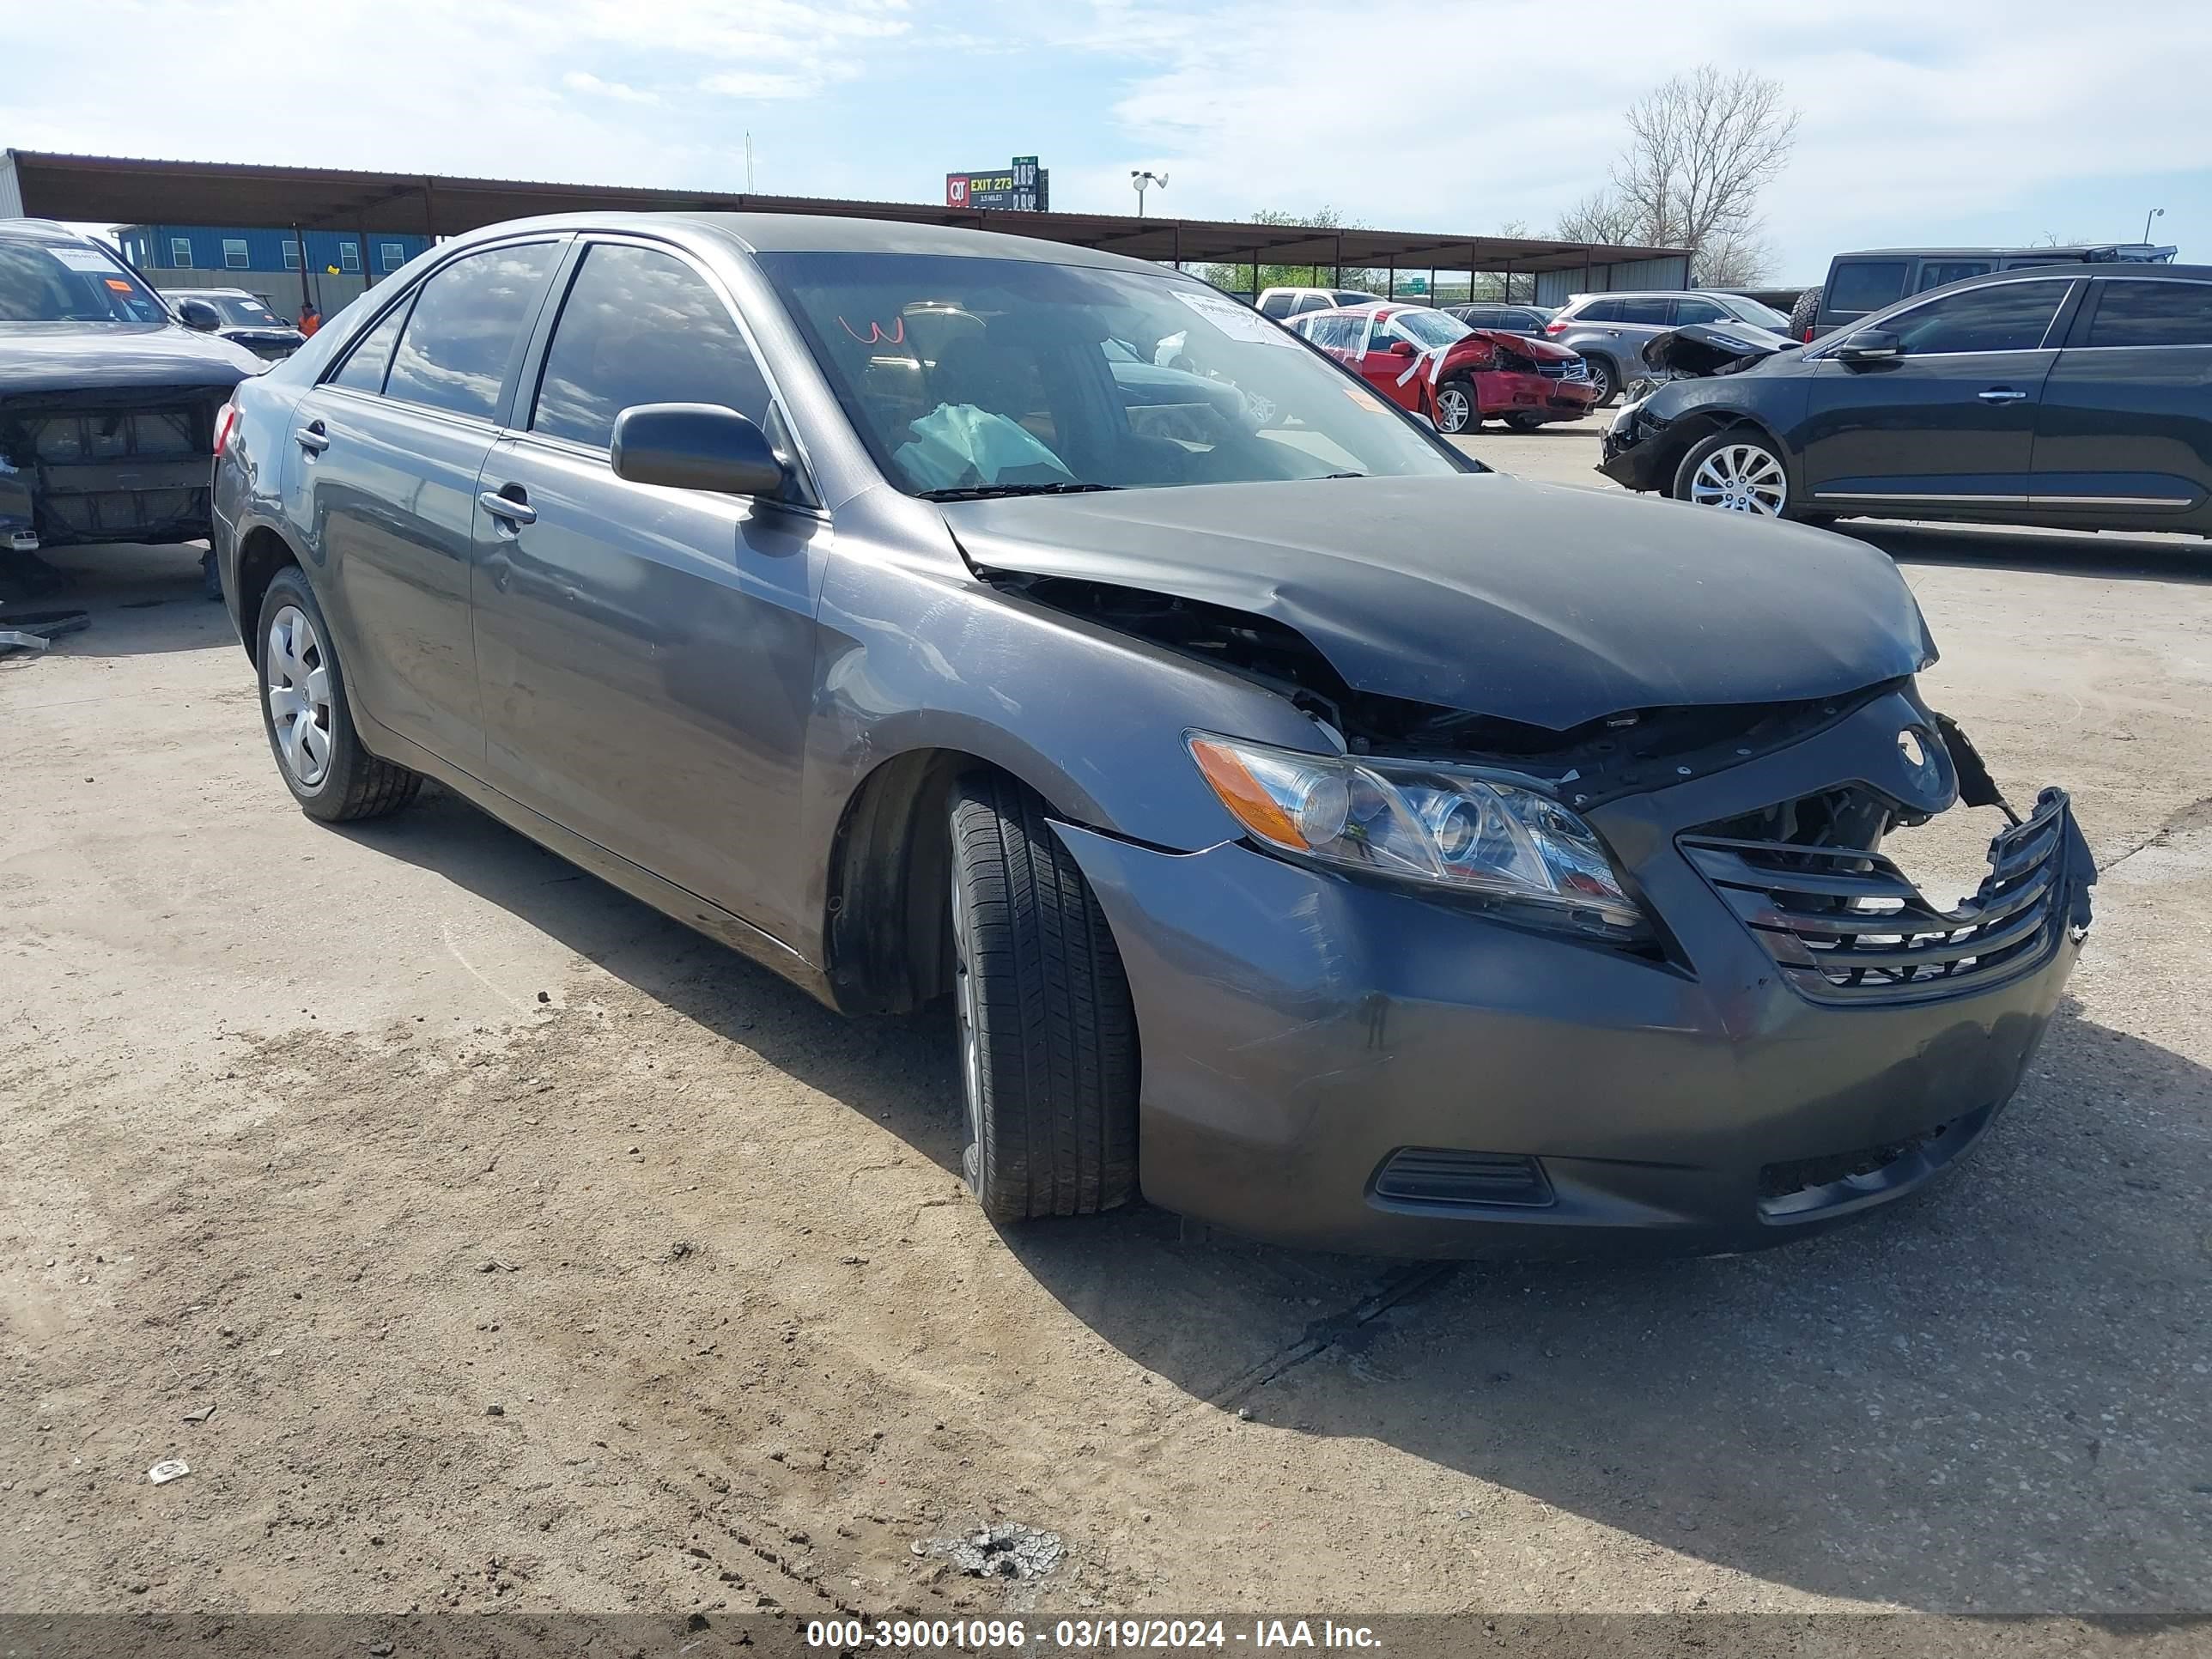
column 1600, row 760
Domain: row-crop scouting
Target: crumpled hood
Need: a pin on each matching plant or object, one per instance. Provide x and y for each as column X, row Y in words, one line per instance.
column 1527, row 602
column 1523, row 345
column 73, row 357
column 1707, row 348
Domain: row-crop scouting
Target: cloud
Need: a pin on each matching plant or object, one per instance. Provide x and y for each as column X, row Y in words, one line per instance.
column 578, row 80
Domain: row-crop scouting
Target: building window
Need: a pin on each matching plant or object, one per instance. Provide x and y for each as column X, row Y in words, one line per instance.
column 180, row 252
column 291, row 254
column 394, row 254
column 233, row 252
column 348, row 256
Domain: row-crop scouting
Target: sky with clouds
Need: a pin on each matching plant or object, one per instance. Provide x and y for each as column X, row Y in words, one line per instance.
column 1968, row 120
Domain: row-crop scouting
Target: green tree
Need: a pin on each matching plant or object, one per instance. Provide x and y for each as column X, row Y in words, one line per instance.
column 1248, row 279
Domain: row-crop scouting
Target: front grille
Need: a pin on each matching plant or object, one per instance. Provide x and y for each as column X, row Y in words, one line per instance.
column 1432, row 1174
column 1845, row 925
column 1551, row 369
column 1799, row 1175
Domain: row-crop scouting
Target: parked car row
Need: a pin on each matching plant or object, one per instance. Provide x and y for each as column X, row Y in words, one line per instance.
column 1307, row 828
column 1433, row 364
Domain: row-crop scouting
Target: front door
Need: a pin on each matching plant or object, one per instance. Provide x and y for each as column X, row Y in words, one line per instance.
column 1950, row 422
column 387, row 451
column 647, row 654
column 2126, row 422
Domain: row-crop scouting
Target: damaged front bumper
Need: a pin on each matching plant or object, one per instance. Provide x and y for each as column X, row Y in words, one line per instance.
column 1344, row 1065
column 1626, row 453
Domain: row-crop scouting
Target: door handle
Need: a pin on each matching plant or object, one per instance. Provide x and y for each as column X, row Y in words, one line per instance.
column 312, row 438
column 514, row 511
column 2001, row 394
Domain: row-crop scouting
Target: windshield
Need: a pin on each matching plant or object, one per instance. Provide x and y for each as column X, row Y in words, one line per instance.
column 243, row 311
column 71, row 283
column 964, row 374
column 1764, row 315
column 1430, row 328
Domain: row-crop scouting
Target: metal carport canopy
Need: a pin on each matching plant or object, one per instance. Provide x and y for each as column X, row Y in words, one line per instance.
column 121, row 190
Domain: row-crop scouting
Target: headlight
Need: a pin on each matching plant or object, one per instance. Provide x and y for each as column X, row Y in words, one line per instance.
column 1446, row 827
column 1624, row 418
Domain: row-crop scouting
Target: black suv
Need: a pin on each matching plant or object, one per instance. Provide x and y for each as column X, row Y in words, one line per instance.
column 2064, row 395
column 1864, row 282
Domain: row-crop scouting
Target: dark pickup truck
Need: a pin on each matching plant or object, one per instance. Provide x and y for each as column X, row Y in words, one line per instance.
column 108, row 403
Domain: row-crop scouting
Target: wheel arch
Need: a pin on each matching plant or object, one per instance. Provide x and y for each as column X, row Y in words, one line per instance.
column 263, row 552
column 1686, row 432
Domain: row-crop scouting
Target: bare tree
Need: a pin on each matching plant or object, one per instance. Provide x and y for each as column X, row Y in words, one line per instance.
column 1701, row 148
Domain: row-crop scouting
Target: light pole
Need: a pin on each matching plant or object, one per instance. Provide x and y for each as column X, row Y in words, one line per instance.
column 2155, row 213
column 1138, row 178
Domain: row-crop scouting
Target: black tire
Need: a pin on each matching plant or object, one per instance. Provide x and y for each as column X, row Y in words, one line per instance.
column 1048, row 1033
column 1471, row 420
column 1605, row 377
column 1524, row 422
column 1806, row 315
column 210, row 578
column 1739, row 438
column 351, row 783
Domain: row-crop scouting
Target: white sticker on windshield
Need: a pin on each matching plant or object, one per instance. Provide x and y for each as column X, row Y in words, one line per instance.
column 1237, row 320
column 84, row 258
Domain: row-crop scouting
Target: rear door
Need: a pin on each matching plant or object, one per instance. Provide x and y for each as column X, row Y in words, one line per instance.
column 647, row 654
column 1949, row 423
column 2125, row 425
column 388, row 448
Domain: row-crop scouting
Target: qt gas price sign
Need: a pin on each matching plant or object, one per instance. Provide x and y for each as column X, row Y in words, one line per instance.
column 1022, row 184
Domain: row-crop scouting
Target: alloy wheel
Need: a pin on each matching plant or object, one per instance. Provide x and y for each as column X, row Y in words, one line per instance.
column 1741, row 477
column 298, row 692
column 1452, row 409
column 971, row 1056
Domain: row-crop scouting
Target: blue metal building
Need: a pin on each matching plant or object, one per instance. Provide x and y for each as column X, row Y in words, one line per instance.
column 205, row 247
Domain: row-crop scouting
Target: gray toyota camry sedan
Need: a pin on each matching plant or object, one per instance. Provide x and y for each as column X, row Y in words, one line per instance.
column 1309, row 830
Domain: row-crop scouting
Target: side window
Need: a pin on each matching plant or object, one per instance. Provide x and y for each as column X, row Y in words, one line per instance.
column 2152, row 314
column 1599, row 311
column 1858, row 286
column 1645, row 312
column 363, row 368
column 1697, row 311
column 453, row 353
column 640, row 326
column 2002, row 317
column 1309, row 302
column 1276, row 304
column 1941, row 273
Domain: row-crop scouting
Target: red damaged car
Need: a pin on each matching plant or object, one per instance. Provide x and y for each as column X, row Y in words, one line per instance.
column 1457, row 376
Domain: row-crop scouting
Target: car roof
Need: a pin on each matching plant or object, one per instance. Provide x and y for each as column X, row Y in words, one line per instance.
column 810, row 233
column 41, row 230
column 2121, row 270
column 1654, row 294
column 1982, row 253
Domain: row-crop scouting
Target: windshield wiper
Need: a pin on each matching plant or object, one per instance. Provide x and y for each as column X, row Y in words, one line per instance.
column 985, row 492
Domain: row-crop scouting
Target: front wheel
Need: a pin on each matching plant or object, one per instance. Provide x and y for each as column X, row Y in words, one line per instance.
column 1524, row 423
column 1048, row 1033
column 1734, row 470
column 1456, row 408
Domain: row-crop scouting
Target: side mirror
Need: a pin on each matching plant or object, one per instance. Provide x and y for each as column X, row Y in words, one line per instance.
column 198, row 316
column 1868, row 345
column 696, row 447
column 1399, row 347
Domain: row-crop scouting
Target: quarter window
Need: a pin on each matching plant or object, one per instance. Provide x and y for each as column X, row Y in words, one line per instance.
column 2152, row 314
column 2002, row 317
column 363, row 368
column 1941, row 273
column 641, row 328
column 1865, row 285
column 454, row 352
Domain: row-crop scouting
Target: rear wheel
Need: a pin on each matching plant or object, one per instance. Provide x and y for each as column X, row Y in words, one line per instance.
column 1737, row 470
column 1524, row 423
column 1605, row 380
column 303, row 709
column 1456, row 408
column 1047, row 1034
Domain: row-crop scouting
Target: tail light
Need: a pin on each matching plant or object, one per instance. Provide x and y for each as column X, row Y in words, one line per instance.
column 225, row 419
column 1809, row 334
column 1557, row 325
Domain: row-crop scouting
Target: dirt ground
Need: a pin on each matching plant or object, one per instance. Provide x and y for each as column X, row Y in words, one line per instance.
column 532, row 1253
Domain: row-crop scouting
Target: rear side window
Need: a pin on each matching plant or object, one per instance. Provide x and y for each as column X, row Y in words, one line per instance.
column 1649, row 313
column 2002, row 317
column 1599, row 311
column 1941, row 273
column 1697, row 311
column 1276, row 304
column 2152, row 314
column 453, row 353
column 363, row 368
column 1864, row 285
column 641, row 326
